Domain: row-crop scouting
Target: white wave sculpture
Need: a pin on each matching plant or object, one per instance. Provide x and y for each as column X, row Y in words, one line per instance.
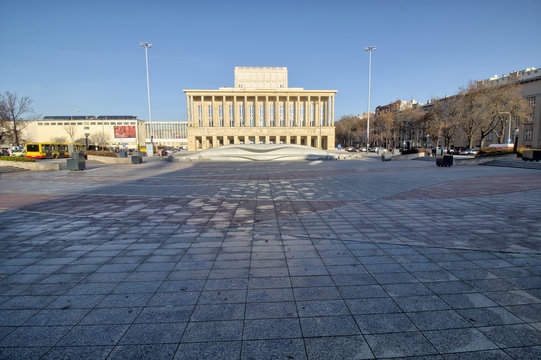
column 260, row 152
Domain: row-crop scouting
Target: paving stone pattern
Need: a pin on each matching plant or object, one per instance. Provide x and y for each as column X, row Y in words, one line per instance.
column 352, row 259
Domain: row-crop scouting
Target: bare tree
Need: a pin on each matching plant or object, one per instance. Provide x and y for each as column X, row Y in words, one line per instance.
column 59, row 139
column 100, row 138
column 15, row 112
column 446, row 115
column 71, row 130
column 507, row 99
column 347, row 129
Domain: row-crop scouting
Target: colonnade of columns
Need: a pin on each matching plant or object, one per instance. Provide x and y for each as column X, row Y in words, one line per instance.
column 213, row 110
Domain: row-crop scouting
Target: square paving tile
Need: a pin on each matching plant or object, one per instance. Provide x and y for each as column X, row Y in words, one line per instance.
column 338, row 348
column 399, row 344
column 459, row 340
column 208, row 350
column 329, row 326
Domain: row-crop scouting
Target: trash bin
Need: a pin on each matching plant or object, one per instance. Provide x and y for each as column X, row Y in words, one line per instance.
column 386, row 156
column 122, row 154
column 444, row 160
column 532, row 155
column 136, row 159
column 77, row 162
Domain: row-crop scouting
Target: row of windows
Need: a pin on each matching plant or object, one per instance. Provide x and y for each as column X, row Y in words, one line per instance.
column 531, row 101
column 92, row 123
column 261, row 111
column 272, row 122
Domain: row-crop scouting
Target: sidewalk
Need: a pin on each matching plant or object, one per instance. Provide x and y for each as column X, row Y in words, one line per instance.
column 356, row 259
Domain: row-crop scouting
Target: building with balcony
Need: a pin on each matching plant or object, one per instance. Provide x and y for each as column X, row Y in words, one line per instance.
column 260, row 109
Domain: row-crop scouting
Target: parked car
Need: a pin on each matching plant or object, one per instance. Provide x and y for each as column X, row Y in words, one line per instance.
column 18, row 153
column 472, row 151
column 351, row 149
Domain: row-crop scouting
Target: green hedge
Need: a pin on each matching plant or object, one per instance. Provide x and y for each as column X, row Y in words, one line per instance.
column 17, row 158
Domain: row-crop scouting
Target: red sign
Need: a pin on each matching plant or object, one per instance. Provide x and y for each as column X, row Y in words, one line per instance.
column 125, row 132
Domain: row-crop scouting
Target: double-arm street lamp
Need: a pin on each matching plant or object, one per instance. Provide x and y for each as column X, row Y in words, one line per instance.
column 148, row 46
column 509, row 136
column 369, row 49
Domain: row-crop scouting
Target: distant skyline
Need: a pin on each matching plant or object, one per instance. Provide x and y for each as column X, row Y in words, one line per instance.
column 83, row 58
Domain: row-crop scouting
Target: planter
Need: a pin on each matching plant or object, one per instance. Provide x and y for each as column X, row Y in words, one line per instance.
column 532, row 155
column 136, row 159
column 386, row 156
column 445, row 161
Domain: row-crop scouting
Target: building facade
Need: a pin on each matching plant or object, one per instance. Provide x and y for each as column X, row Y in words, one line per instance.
column 116, row 131
column 529, row 131
column 260, row 109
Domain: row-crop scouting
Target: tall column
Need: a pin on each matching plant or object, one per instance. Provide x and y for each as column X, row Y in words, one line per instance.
column 286, row 114
column 223, row 113
column 213, row 112
column 188, row 108
column 267, row 112
column 332, row 111
column 235, row 113
column 246, row 112
column 298, row 112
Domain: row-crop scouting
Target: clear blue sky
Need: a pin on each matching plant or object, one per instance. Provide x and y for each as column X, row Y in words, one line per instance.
column 84, row 55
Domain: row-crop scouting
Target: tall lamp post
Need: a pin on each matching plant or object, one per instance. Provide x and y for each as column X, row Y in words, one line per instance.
column 148, row 46
column 509, row 135
column 369, row 49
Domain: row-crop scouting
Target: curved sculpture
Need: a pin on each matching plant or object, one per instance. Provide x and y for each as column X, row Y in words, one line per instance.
column 260, row 152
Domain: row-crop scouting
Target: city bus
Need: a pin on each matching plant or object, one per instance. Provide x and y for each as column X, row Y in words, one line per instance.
column 46, row 150
column 50, row 150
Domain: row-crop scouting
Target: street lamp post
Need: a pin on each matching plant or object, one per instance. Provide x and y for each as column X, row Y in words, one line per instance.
column 369, row 49
column 509, row 135
column 148, row 46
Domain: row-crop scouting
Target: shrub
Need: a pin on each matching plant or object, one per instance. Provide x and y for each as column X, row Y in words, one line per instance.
column 17, row 158
column 101, row 153
column 492, row 151
column 415, row 151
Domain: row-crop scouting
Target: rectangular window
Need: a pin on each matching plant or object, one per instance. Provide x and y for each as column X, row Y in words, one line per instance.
column 231, row 122
column 281, row 111
column 528, row 135
column 200, row 111
column 271, row 115
column 531, row 102
column 251, row 111
column 262, row 111
column 230, row 111
column 210, row 111
column 529, row 120
column 221, row 111
column 321, row 115
column 291, row 115
column 241, row 111
column 301, row 116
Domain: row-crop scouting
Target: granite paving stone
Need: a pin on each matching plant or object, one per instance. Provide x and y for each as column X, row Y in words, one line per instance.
column 355, row 259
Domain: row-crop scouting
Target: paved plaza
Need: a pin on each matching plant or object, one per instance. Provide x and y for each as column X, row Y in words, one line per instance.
column 357, row 259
